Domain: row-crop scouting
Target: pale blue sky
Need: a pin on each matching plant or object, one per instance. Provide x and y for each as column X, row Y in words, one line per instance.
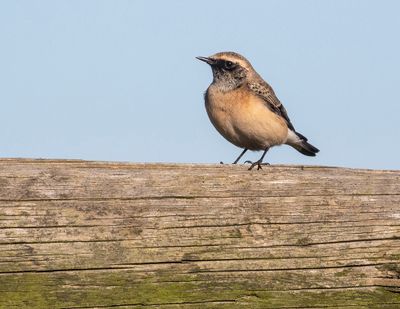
column 118, row 80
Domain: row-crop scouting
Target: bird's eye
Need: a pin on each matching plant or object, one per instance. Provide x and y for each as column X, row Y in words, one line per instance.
column 229, row 65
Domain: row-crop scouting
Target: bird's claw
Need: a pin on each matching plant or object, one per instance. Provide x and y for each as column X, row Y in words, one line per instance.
column 258, row 163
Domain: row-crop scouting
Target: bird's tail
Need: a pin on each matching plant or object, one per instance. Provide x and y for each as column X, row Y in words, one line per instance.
column 299, row 142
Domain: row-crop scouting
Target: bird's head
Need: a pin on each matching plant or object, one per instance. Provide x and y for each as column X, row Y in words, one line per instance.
column 229, row 69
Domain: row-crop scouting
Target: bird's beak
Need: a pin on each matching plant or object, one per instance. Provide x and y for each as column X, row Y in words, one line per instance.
column 210, row 61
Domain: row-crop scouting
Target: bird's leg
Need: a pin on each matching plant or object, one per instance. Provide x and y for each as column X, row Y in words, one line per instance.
column 241, row 155
column 238, row 158
column 260, row 161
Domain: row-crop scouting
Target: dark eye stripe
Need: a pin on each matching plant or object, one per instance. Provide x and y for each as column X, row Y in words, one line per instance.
column 226, row 64
column 229, row 65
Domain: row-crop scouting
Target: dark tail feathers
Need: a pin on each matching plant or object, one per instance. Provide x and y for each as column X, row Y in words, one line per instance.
column 304, row 147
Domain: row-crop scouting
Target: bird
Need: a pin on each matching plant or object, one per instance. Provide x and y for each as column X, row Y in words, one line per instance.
column 245, row 110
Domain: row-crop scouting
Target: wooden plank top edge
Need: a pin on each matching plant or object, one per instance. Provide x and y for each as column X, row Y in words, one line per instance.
column 169, row 165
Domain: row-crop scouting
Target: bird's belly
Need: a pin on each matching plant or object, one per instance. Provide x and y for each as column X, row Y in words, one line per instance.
column 248, row 124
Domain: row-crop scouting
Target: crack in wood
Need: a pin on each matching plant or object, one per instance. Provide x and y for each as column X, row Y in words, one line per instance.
column 124, row 267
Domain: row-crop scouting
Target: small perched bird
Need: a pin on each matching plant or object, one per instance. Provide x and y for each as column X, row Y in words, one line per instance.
column 245, row 110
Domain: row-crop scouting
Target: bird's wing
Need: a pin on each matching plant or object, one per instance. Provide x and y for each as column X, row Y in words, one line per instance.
column 265, row 91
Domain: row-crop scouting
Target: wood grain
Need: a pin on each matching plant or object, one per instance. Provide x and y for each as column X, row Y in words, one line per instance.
column 77, row 234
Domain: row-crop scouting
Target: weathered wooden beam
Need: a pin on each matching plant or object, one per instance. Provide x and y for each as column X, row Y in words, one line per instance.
column 76, row 234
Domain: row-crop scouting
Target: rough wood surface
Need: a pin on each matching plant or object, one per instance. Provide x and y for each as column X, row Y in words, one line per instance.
column 76, row 234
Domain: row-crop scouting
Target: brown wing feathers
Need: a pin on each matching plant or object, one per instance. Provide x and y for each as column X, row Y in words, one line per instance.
column 265, row 91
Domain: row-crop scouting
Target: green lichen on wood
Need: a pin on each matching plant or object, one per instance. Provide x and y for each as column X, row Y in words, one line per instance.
column 108, row 288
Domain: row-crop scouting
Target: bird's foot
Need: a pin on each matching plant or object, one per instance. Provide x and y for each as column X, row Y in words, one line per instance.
column 220, row 162
column 258, row 163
